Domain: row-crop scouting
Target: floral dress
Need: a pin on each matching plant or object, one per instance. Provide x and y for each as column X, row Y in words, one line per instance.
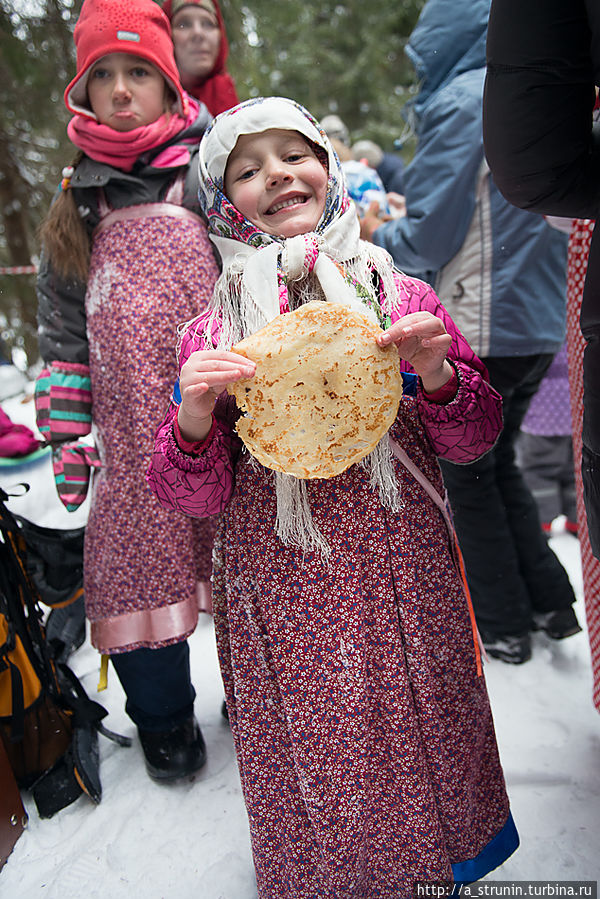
column 362, row 727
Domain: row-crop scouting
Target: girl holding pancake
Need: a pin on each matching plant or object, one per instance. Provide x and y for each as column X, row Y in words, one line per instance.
column 357, row 704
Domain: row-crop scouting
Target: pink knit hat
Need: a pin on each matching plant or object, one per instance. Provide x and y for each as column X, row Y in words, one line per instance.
column 138, row 27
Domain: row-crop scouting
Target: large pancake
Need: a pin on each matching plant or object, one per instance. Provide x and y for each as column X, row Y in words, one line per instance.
column 324, row 392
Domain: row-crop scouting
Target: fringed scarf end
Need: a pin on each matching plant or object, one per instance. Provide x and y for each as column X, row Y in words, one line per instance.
column 294, row 524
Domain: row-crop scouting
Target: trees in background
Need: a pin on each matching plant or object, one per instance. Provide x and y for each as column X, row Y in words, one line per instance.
column 35, row 60
column 345, row 57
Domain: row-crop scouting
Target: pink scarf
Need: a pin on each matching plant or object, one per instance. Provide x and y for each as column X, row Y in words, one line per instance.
column 122, row 148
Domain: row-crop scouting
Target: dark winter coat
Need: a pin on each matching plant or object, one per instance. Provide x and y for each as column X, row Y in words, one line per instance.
column 543, row 63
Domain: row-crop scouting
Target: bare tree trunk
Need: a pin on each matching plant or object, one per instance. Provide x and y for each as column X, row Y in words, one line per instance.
column 18, row 291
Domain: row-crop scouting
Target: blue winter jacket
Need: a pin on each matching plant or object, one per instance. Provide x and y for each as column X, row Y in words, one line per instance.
column 515, row 302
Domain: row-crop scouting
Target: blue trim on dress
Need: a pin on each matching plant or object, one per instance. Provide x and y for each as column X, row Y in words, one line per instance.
column 409, row 383
column 495, row 853
column 176, row 397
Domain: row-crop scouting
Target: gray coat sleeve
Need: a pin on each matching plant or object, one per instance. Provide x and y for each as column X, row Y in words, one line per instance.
column 61, row 317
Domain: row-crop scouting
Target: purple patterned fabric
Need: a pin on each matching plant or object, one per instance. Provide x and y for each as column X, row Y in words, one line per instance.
column 549, row 413
column 364, row 736
column 147, row 276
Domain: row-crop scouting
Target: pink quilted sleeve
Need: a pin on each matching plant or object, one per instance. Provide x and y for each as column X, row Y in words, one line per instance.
column 198, row 485
column 469, row 425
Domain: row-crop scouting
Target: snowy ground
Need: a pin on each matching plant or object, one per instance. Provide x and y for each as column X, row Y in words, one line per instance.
column 191, row 840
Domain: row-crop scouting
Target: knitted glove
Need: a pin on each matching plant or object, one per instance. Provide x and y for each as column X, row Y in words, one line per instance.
column 63, row 401
column 63, row 406
column 72, row 463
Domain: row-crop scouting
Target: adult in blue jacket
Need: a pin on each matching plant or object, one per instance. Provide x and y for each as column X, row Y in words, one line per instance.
column 501, row 273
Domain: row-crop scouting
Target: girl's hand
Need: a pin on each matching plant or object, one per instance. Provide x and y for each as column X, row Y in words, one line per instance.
column 422, row 340
column 371, row 221
column 397, row 204
column 203, row 378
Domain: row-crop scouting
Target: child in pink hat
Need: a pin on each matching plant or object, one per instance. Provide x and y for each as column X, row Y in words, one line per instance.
column 126, row 258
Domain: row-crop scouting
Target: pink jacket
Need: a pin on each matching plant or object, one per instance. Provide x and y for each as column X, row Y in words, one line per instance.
column 460, row 430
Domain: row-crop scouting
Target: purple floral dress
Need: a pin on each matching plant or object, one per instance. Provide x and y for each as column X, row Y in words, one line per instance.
column 363, row 732
column 143, row 563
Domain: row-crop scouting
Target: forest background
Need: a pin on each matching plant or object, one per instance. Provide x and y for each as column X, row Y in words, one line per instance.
column 334, row 57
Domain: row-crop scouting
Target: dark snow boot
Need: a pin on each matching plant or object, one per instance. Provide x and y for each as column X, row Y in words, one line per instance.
column 515, row 650
column 558, row 624
column 170, row 755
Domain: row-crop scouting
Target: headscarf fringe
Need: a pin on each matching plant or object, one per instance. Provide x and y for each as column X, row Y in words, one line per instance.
column 233, row 313
column 380, row 465
column 294, row 524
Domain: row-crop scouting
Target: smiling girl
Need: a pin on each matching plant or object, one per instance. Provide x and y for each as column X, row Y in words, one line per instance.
column 125, row 259
column 277, row 182
column 361, row 721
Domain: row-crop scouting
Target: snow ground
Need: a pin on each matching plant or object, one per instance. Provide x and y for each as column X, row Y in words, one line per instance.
column 190, row 840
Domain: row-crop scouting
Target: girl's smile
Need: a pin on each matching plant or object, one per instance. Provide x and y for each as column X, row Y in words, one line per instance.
column 126, row 92
column 276, row 181
column 294, row 200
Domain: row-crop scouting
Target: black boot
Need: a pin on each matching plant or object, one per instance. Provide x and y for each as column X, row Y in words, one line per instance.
column 515, row 650
column 558, row 624
column 173, row 754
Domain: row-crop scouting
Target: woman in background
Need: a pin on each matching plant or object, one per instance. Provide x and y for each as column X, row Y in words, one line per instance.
column 201, row 49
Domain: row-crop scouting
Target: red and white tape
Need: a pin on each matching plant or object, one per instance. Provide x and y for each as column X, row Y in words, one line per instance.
column 18, row 269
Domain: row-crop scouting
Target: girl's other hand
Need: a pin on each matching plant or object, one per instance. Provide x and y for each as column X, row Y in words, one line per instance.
column 397, row 204
column 422, row 340
column 371, row 220
column 203, row 378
